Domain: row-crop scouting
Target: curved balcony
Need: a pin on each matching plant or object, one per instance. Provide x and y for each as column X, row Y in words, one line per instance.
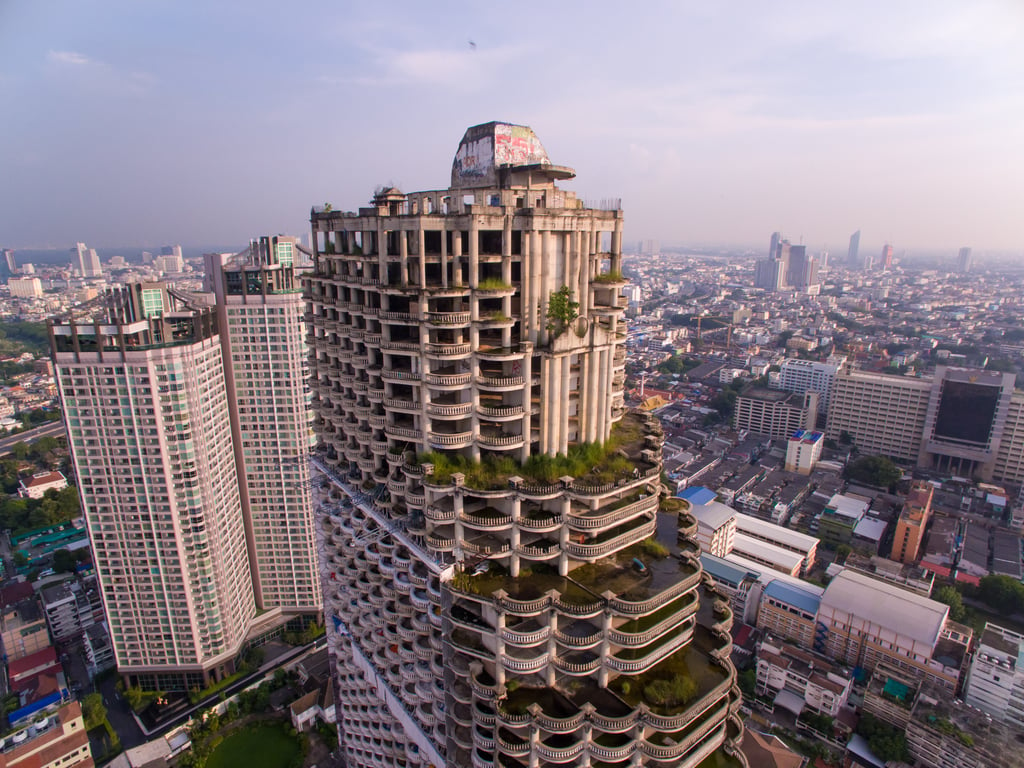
column 512, row 746
column 634, row 665
column 450, row 439
column 501, row 354
column 559, row 754
column 403, row 432
column 402, row 404
column 501, row 413
column 525, row 638
column 532, row 551
column 501, row 441
column 584, row 520
column 500, row 383
column 523, row 607
column 449, row 351
column 440, row 543
column 612, row 754
column 375, row 394
column 397, row 317
column 524, row 664
column 576, row 668
column 447, row 380
column 447, row 319
column 393, row 374
column 483, row 685
column 583, row 638
column 487, row 519
column 642, row 637
column 631, row 608
column 438, row 514
column 542, row 523
column 446, row 410
column 603, row 549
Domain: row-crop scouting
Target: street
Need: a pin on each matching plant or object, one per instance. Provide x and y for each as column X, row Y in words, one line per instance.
column 53, row 429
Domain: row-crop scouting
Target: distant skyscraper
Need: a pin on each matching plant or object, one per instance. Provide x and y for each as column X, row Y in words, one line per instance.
column 189, row 431
column 852, row 254
column 886, row 258
column 773, row 244
column 772, row 274
column 171, row 259
column 86, row 261
column 8, row 266
column 965, row 261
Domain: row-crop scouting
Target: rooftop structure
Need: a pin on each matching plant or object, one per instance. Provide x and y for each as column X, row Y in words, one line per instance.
column 995, row 682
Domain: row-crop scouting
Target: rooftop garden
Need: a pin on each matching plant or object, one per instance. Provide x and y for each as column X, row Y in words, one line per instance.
column 597, row 463
column 531, row 584
column 672, row 684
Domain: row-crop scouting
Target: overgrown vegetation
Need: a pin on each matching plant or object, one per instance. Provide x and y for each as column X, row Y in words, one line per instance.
column 21, row 515
column 886, row 741
column 18, row 337
column 562, row 310
column 874, row 470
column 611, row 276
column 599, row 463
column 493, row 284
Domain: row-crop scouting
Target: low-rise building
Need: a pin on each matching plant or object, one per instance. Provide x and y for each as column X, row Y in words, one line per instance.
column 914, row 516
column 810, row 681
column 716, row 527
column 36, row 486
column 23, row 629
column 785, row 538
column 803, row 451
column 995, row 681
column 789, row 611
column 864, row 621
column 840, row 518
column 55, row 738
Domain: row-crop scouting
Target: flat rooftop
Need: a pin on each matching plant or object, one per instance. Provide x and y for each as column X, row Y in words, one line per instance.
column 887, row 606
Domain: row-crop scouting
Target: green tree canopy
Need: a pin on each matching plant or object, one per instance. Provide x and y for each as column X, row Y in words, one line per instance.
column 1004, row 593
column 93, row 711
column 947, row 594
column 874, row 470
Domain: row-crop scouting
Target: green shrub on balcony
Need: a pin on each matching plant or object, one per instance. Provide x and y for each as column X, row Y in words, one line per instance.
column 612, row 276
column 493, row 284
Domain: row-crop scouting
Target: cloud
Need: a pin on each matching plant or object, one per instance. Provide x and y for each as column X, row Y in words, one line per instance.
column 69, row 57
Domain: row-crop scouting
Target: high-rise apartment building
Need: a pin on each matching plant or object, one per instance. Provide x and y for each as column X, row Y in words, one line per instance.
column 853, row 253
column 187, row 429
column 261, row 312
column 8, row 264
column 774, row 413
column 965, row 261
column 85, row 261
column 489, row 602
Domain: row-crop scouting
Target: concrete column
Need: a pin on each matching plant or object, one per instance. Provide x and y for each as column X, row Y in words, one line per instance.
column 563, row 536
column 563, row 405
column 524, row 453
column 600, row 405
column 421, row 246
column 444, row 257
column 593, row 403
column 456, row 257
column 403, row 252
column 547, row 278
column 474, row 252
column 527, row 325
column 545, row 403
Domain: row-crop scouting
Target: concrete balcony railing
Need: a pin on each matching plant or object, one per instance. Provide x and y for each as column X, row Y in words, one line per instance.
column 393, row 374
column 450, row 439
column 603, row 549
column 487, row 521
column 503, row 412
column 612, row 754
column 402, row 403
column 448, row 379
column 635, row 608
column 573, row 641
column 448, row 318
column 449, row 350
column 412, row 434
column 449, row 409
column 576, row 667
column 513, row 664
column 500, row 382
column 559, row 754
column 438, row 514
column 525, row 638
column 501, row 441
column 540, row 524
column 639, row 639
column 586, row 521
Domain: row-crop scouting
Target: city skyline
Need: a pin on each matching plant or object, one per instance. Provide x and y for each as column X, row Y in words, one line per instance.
column 899, row 122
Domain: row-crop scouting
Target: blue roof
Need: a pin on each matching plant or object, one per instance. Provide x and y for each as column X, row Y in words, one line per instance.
column 698, row 494
column 807, row 602
column 723, row 570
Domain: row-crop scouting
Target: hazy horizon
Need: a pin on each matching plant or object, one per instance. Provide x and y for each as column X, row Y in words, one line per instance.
column 164, row 122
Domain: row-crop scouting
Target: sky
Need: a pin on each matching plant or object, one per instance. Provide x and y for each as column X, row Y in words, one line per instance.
column 146, row 122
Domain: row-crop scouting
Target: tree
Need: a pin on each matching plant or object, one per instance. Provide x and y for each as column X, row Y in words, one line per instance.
column 1004, row 593
column 93, row 710
column 842, row 552
column 884, row 740
column 562, row 310
column 64, row 561
column 947, row 594
column 874, row 470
